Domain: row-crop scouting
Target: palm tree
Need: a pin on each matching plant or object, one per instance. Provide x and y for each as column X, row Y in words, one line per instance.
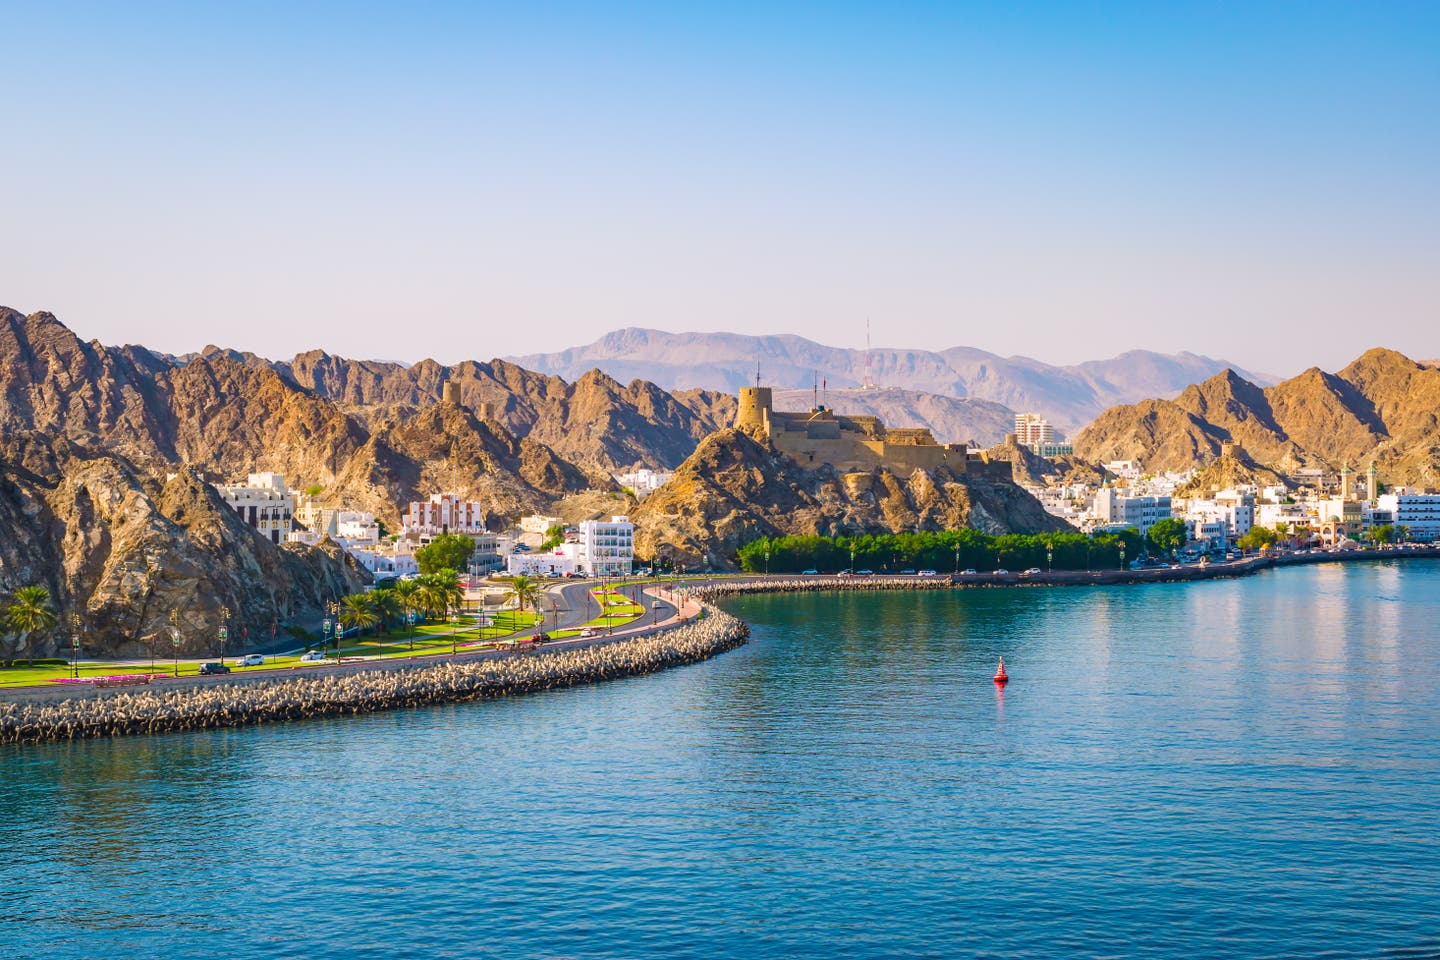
column 404, row 594
column 357, row 611
column 386, row 606
column 446, row 583
column 29, row 613
column 525, row 590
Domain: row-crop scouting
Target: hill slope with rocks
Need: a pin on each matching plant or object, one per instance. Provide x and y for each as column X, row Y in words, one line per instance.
column 1383, row 407
column 736, row 488
column 1070, row 396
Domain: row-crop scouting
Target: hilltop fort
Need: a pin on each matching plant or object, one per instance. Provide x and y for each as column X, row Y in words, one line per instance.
column 822, row 437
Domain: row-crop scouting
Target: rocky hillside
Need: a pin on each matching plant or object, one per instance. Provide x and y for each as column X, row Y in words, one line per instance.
column 735, row 488
column 1069, row 396
column 120, row 549
column 1383, row 407
column 372, row 434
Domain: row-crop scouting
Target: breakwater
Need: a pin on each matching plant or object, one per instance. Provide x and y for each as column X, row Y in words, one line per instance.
column 366, row 691
column 719, row 589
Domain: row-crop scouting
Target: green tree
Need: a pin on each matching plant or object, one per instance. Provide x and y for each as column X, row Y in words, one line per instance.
column 525, row 590
column 30, row 613
column 358, row 612
column 1168, row 535
column 1257, row 538
column 553, row 538
column 448, row 551
column 439, row 591
column 404, row 593
column 1383, row 533
column 386, row 606
column 314, row 490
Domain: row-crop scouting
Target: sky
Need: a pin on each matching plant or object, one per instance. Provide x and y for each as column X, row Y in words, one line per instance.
column 1253, row 181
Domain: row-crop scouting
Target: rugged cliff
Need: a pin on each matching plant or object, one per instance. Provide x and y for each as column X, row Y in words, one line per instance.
column 120, row 550
column 735, row 488
column 1383, row 407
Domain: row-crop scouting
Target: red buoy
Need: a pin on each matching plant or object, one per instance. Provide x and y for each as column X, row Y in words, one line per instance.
column 1001, row 677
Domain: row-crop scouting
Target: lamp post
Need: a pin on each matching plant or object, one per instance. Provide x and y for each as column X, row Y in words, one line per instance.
column 175, row 637
column 1049, row 558
column 75, row 645
column 224, row 632
column 957, row 556
column 767, row 561
column 1122, row 555
column 333, row 608
column 852, row 560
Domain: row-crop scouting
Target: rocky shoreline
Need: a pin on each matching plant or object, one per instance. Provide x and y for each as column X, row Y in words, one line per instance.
column 298, row 698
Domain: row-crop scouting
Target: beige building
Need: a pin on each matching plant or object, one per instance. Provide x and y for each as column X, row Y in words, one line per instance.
column 821, row 437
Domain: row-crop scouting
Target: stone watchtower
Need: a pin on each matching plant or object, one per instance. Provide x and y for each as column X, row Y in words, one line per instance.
column 756, row 406
column 450, row 392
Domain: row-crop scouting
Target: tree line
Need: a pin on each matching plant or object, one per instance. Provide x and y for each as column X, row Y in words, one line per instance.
column 951, row 550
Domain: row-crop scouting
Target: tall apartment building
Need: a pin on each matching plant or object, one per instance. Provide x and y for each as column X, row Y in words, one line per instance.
column 607, row 547
column 1032, row 429
column 263, row 502
column 444, row 513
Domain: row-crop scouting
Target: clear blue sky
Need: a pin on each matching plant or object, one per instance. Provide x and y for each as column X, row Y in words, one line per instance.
column 1248, row 180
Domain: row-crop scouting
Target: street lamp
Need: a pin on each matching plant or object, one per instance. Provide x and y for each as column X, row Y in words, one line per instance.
column 767, row 561
column 224, row 632
column 852, row 560
column 1049, row 558
column 957, row 556
column 333, row 608
column 75, row 645
column 175, row 637
column 1122, row 555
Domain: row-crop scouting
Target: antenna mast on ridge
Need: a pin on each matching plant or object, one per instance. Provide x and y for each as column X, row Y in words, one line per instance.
column 869, row 382
column 757, row 373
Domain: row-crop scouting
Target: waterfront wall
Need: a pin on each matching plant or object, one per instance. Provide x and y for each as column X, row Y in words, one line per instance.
column 296, row 698
column 720, row 589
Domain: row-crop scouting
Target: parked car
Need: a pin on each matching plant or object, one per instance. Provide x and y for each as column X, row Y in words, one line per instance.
column 926, row 573
column 864, row 573
column 311, row 656
column 968, row 572
column 809, row 573
column 213, row 669
column 844, row 573
column 1031, row 572
column 1002, row 572
column 251, row 660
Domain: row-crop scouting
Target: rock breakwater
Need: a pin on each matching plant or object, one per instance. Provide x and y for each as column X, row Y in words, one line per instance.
column 223, row 705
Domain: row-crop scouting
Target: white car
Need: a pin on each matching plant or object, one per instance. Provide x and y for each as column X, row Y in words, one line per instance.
column 310, row 656
column 1002, row 572
column 251, row 660
column 968, row 572
column 926, row 573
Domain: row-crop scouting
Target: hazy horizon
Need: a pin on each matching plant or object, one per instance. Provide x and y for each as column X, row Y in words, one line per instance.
column 1249, row 183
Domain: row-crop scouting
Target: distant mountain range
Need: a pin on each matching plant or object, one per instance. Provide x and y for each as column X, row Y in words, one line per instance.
column 1070, row 396
column 1383, row 407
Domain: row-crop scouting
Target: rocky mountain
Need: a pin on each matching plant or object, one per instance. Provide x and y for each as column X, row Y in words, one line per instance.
column 950, row 419
column 89, row 434
column 1383, row 407
column 119, row 550
column 1070, row 396
column 373, row 434
column 736, row 488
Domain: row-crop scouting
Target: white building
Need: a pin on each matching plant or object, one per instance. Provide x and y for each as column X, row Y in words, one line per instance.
column 1032, row 429
column 552, row 563
column 644, row 481
column 1420, row 512
column 1234, row 509
column 396, row 559
column 1113, row 508
column 607, row 547
column 263, row 502
column 444, row 513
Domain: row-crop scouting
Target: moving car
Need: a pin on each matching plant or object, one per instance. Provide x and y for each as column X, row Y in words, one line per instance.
column 311, row 656
column 864, row 573
column 213, row 669
column 1002, row 572
column 809, row 573
column 251, row 660
column 589, row 632
column 1031, row 572
column 540, row 638
column 968, row 572
column 926, row 573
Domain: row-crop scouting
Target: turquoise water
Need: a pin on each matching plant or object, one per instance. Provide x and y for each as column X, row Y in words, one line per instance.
column 1247, row 768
